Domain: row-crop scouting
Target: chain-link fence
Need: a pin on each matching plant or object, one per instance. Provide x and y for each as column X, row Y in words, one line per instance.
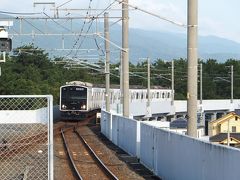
column 25, row 137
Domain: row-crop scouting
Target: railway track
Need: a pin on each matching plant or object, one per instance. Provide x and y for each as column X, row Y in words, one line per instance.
column 85, row 159
column 21, row 145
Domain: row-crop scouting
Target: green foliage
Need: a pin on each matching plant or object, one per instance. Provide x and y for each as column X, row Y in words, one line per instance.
column 32, row 72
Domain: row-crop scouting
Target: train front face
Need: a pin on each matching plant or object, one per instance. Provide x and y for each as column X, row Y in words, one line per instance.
column 73, row 99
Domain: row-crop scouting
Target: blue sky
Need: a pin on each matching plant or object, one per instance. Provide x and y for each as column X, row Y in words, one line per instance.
column 216, row 17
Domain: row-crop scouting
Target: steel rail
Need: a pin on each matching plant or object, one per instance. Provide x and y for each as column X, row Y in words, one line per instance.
column 103, row 166
column 70, row 157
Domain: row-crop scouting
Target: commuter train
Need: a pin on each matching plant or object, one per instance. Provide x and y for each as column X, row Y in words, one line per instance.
column 78, row 98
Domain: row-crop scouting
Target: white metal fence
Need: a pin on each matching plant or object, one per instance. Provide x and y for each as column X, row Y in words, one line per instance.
column 26, row 137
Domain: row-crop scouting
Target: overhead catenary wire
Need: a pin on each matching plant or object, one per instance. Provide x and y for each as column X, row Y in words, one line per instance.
column 91, row 22
column 82, row 28
column 20, row 13
column 155, row 15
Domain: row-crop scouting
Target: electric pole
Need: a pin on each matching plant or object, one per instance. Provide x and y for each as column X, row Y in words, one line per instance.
column 231, row 83
column 149, row 114
column 201, row 83
column 172, row 96
column 125, row 58
column 192, row 57
column 107, row 49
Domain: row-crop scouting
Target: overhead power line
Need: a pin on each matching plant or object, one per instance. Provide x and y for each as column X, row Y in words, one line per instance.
column 19, row 13
column 155, row 15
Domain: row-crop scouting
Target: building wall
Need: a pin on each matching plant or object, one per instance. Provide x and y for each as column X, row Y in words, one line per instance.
column 232, row 122
column 222, row 127
column 200, row 131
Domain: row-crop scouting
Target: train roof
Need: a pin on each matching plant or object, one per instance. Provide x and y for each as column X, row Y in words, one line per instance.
column 79, row 83
column 116, row 86
column 112, row 86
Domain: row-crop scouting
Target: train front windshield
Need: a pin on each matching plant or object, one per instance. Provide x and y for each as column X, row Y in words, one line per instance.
column 74, row 98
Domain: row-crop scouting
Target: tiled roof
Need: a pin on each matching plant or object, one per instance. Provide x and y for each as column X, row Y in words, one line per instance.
column 180, row 123
column 222, row 136
column 237, row 111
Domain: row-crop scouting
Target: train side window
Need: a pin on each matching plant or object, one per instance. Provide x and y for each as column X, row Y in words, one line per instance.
column 137, row 96
column 163, row 94
column 157, row 95
column 142, row 96
column 132, row 96
column 119, row 94
column 168, row 94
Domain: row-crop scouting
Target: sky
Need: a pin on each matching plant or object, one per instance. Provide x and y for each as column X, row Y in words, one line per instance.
column 216, row 17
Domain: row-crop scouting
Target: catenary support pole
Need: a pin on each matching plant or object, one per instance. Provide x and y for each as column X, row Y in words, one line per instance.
column 149, row 114
column 107, row 73
column 172, row 96
column 192, row 57
column 125, row 58
column 201, row 95
column 231, row 83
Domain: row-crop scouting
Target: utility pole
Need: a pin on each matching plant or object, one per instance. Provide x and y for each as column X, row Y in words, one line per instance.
column 149, row 114
column 228, row 134
column 201, row 97
column 125, row 58
column 231, row 83
column 201, row 83
column 121, row 83
column 172, row 100
column 192, row 67
column 107, row 49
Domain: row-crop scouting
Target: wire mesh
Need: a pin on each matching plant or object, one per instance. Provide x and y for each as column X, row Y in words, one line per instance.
column 24, row 137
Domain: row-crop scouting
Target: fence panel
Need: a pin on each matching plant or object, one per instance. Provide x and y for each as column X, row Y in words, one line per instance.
column 115, row 129
column 106, row 124
column 26, row 137
column 127, row 138
column 181, row 157
column 147, row 145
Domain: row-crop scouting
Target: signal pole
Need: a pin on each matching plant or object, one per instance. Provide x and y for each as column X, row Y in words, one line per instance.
column 107, row 73
column 192, row 57
column 125, row 58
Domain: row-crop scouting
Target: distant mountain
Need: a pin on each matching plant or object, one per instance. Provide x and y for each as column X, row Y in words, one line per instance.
column 142, row 43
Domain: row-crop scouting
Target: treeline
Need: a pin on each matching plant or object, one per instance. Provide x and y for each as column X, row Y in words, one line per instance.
column 32, row 72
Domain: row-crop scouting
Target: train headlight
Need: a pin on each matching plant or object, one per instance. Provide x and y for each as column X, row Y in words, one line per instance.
column 64, row 106
column 83, row 106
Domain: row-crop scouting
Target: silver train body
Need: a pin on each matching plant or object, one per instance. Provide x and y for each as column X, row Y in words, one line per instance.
column 77, row 97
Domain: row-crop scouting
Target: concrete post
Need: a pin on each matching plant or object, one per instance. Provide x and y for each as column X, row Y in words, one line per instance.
column 192, row 67
column 107, row 49
column 125, row 56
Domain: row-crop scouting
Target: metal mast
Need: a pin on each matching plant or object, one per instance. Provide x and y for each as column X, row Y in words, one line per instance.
column 192, row 67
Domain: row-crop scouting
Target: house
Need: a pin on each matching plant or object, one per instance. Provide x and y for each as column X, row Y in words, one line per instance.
column 180, row 126
column 219, row 129
column 234, row 139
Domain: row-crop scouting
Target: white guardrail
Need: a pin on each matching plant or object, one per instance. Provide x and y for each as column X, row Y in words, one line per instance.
column 170, row 155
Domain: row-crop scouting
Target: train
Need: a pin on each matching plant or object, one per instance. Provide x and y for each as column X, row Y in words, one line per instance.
column 78, row 98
